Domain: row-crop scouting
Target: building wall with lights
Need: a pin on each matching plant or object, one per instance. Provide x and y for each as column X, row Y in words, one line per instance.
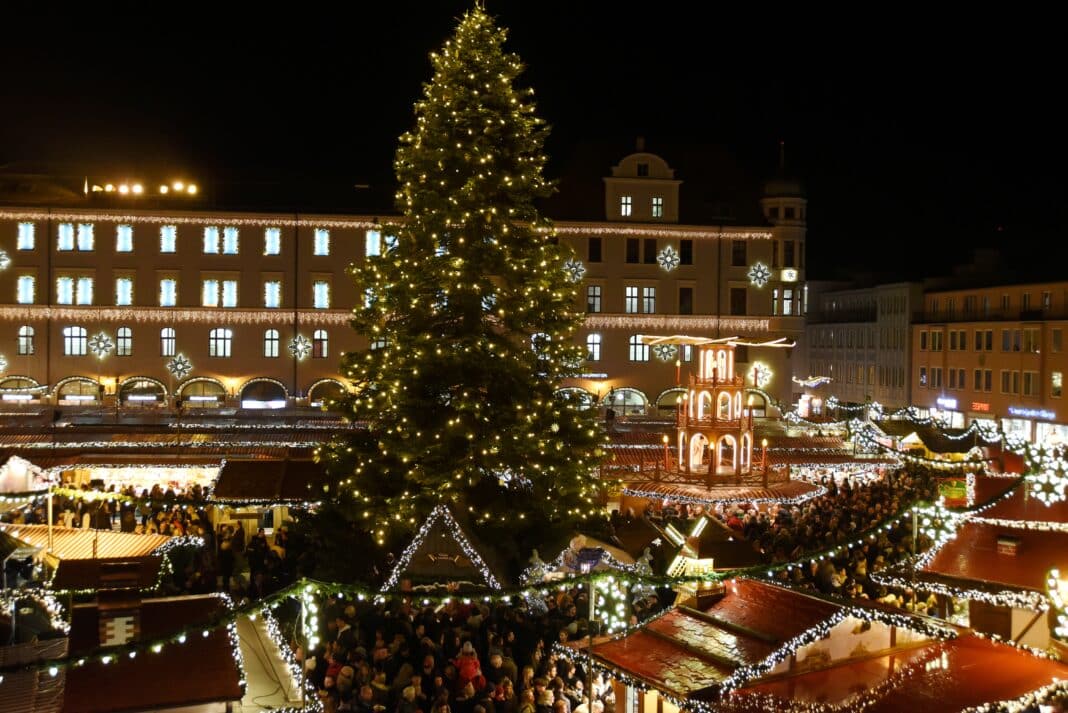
column 995, row 353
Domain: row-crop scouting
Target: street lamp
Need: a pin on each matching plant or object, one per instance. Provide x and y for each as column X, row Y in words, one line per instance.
column 588, row 559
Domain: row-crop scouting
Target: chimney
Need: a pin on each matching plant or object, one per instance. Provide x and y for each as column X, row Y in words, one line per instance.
column 639, row 144
column 119, row 602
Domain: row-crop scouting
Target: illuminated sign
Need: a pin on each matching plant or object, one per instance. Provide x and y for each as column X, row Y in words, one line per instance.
column 945, row 402
column 1032, row 413
column 789, row 275
column 595, row 375
column 980, row 406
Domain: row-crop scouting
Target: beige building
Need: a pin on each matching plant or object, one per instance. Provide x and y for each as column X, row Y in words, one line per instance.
column 99, row 304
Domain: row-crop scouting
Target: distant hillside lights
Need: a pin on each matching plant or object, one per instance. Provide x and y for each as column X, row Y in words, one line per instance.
column 133, row 190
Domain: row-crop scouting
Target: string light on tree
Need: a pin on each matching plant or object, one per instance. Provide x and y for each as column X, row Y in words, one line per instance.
column 300, row 347
column 668, row 258
column 759, row 274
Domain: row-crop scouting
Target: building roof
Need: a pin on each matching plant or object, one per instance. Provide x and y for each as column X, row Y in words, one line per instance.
column 86, row 573
column 934, row 439
column 1024, row 507
column 259, row 479
column 75, row 543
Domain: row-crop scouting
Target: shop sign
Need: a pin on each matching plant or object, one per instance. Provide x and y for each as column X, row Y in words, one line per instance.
column 946, row 402
column 980, row 406
column 1032, row 413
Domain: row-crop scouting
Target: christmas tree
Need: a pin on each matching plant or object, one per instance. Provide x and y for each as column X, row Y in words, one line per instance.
column 470, row 313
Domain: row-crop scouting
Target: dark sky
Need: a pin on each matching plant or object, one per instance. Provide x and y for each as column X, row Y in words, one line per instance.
column 917, row 139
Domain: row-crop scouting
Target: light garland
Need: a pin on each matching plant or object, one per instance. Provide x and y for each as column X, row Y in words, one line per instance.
column 677, row 322
column 1057, row 604
column 812, row 381
column 219, row 219
column 175, row 315
column 1028, row 702
column 293, row 667
column 581, row 229
column 180, row 541
column 45, row 600
column 637, row 492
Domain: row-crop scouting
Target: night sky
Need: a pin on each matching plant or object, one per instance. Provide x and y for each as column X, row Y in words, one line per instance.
column 916, row 141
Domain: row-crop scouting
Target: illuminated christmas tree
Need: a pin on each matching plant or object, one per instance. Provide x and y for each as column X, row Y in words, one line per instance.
column 470, row 312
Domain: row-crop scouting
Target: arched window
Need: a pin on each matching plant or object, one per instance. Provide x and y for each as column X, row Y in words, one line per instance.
column 723, row 406
column 166, row 342
column 270, row 343
column 220, row 341
column 727, row 457
column 320, row 344
column 124, row 342
column 75, row 341
column 26, row 340
column 593, row 347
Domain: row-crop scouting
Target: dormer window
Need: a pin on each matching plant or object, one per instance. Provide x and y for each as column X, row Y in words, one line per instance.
column 643, row 169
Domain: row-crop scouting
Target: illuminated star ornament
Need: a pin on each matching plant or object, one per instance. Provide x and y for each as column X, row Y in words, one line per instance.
column 179, row 366
column 574, row 269
column 5, row 259
column 760, row 374
column 668, row 258
column 101, row 345
column 665, row 352
column 759, row 274
column 300, row 347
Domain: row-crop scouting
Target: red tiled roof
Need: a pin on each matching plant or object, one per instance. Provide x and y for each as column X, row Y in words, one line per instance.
column 973, row 555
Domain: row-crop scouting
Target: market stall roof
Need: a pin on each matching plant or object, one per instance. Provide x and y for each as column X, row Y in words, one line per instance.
column 1024, row 507
column 75, row 543
column 154, row 681
column 935, row 439
column 86, row 573
column 989, row 487
column 269, row 480
column 722, row 494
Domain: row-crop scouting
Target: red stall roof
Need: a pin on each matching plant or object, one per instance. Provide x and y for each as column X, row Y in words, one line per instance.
column 973, row 555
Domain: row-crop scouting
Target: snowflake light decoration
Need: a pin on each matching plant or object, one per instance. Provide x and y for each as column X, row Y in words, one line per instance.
column 760, row 375
column 101, row 345
column 665, row 352
column 574, row 269
column 5, row 259
column 759, row 274
column 668, row 258
column 3, row 363
column 180, row 367
column 300, row 347
column 1051, row 487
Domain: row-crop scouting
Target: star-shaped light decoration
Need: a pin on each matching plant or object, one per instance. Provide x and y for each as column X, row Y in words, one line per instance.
column 5, row 259
column 759, row 274
column 760, row 375
column 668, row 258
column 574, row 269
column 665, row 352
column 300, row 347
column 3, row 363
column 1052, row 486
column 101, row 345
column 180, row 367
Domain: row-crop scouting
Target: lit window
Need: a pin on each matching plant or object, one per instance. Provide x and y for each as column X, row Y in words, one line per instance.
column 124, row 239
column 272, row 241
column 65, row 290
column 630, row 300
column 211, row 240
column 209, row 293
column 625, row 206
column 229, row 293
column 168, row 292
column 593, row 298
column 166, row 342
column 124, row 341
column 321, row 295
column 83, row 292
column 379, row 343
column 230, row 241
column 658, row 207
column 219, row 342
column 270, row 343
column 373, row 243
column 27, row 240
column 65, row 237
column 26, row 346
column 593, row 347
column 75, row 341
column 649, row 300
column 272, row 293
column 168, row 239
column 85, row 237
column 24, row 289
column 322, row 241
column 320, row 344
column 1056, row 383
column 638, row 351
column 124, row 291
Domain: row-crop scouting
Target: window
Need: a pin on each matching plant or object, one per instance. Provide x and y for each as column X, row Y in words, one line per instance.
column 738, row 297
column 1056, row 341
column 27, row 240
column 593, row 347
column 272, row 293
column 209, row 293
column 685, row 300
column 773, row 212
column 977, row 380
column 1006, row 304
column 788, row 301
column 211, row 240
column 1056, row 381
column 952, row 340
column 379, row 343
column 65, row 237
column 24, row 289
column 638, row 351
column 686, row 252
column 936, row 341
column 775, row 301
column 1047, row 301
column 229, row 293
column 321, row 294
column 168, row 292
column 166, row 342
column 788, row 212
column 630, row 299
column 124, row 239
column 593, row 250
column 633, row 246
column 372, row 244
column 230, row 244
column 25, row 342
column 1031, row 340
column 321, row 241
column 687, row 353
column 788, row 253
column 123, row 291
column 658, row 207
column 923, row 376
column 1006, row 340
column 1030, row 383
column 625, row 204
column 1016, row 341
column 320, row 344
column 64, row 290
column 75, row 341
column 219, row 342
column 593, row 298
column 83, row 291
column 643, row 169
column 85, row 237
column 270, row 344
column 988, row 380
column 124, row 341
column 272, row 241
column 739, row 253
column 649, row 250
column 1025, row 301
column 936, row 377
column 649, row 300
column 978, row 340
column 168, row 239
